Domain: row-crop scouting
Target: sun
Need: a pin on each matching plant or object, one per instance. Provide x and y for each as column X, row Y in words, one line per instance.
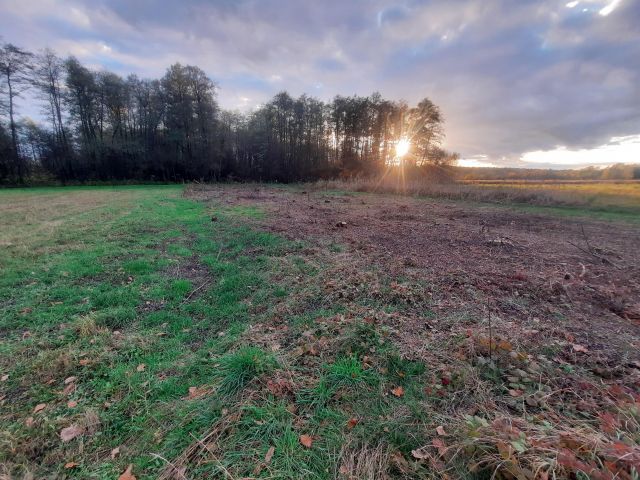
column 402, row 147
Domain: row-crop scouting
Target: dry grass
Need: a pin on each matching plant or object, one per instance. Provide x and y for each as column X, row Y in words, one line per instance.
column 367, row 462
column 34, row 217
column 622, row 195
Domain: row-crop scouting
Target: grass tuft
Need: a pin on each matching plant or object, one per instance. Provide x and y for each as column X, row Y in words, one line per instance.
column 238, row 368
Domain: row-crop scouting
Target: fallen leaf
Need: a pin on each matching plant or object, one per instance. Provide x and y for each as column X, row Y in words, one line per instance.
column 352, row 423
column 39, row 407
column 196, row 392
column 69, row 380
column 344, row 470
column 398, row 391
column 29, row 422
column 69, row 389
column 72, row 404
column 4, row 378
column 440, row 430
column 69, row 465
column 420, row 454
column 580, row 348
column 115, row 452
column 515, row 393
column 84, row 362
column 269, row 455
column 445, row 381
column 440, row 445
column 69, row 433
column 306, row 440
column 141, row 367
column 127, row 475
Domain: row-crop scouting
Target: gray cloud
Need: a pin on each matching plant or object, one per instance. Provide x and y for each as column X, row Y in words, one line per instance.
column 511, row 77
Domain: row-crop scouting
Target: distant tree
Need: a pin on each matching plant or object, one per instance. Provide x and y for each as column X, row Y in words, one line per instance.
column 5, row 154
column 425, row 129
column 81, row 100
column 15, row 69
column 104, row 126
column 190, row 120
column 48, row 78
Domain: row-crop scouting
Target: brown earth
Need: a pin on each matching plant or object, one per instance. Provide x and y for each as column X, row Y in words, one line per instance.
column 547, row 307
column 539, row 274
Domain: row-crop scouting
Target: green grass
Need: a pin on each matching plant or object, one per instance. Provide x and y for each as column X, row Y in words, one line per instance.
column 101, row 284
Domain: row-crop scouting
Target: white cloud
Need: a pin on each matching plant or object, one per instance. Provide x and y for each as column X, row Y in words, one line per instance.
column 609, row 8
column 474, row 162
column 617, row 150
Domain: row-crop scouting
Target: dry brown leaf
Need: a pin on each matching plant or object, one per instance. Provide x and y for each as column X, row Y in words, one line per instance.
column 29, row 422
column 69, row 380
column 420, row 454
column 398, row 391
column 4, row 378
column 515, row 393
column 69, row 389
column 580, row 348
column 69, row 433
column 72, row 404
column 440, row 430
column 39, row 407
column 84, row 362
column 306, row 440
column 196, row 392
column 127, row 475
column 115, row 452
column 352, row 423
column 440, row 445
column 269, row 455
column 69, row 465
column 141, row 367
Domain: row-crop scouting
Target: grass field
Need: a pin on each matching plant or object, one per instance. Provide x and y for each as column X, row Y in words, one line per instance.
column 223, row 334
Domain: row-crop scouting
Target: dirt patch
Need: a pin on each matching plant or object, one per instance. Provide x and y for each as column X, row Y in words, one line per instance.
column 575, row 279
column 527, row 325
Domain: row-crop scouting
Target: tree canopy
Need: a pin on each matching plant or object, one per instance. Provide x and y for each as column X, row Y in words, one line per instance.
column 101, row 126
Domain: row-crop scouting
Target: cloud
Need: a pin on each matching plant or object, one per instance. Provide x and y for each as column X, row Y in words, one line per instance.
column 617, row 150
column 511, row 77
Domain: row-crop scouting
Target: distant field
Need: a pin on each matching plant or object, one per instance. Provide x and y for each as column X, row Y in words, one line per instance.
column 596, row 193
column 256, row 331
column 614, row 200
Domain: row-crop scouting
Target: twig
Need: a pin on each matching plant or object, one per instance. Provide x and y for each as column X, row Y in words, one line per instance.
column 175, row 469
column 585, row 238
column 196, row 290
column 602, row 259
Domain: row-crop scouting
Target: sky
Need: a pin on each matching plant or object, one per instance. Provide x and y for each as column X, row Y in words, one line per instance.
column 521, row 83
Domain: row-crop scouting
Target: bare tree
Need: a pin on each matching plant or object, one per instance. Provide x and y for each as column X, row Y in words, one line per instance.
column 48, row 78
column 15, row 69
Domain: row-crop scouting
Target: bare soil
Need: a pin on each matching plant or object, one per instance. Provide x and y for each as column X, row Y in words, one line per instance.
column 528, row 323
column 546, row 280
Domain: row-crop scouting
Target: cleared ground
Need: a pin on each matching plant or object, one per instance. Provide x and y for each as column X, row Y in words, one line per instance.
column 263, row 332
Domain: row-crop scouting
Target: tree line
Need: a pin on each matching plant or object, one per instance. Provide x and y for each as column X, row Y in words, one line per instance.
column 100, row 126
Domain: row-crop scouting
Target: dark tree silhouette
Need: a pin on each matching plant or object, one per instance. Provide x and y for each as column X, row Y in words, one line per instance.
column 100, row 126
